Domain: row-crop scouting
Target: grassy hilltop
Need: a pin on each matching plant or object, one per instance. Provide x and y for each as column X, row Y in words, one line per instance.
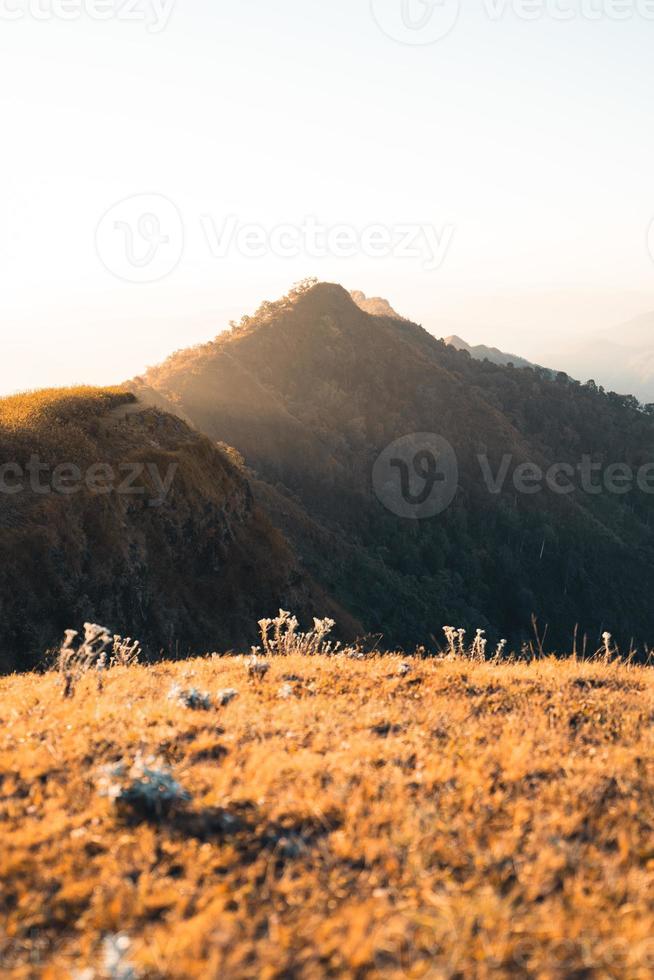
column 393, row 817
column 154, row 531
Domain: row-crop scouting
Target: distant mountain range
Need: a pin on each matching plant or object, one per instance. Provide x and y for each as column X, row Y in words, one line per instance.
column 620, row 359
column 378, row 306
column 482, row 353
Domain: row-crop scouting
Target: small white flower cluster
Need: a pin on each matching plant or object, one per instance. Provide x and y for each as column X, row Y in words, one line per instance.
column 146, row 788
column 478, row 648
column 98, row 650
column 191, row 698
column 501, row 647
column 279, row 636
column 606, row 640
column 125, row 652
column 201, row 700
column 456, row 645
column 455, row 641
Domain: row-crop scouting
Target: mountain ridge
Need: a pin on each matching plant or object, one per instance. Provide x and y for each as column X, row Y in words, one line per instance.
column 493, row 354
column 321, row 388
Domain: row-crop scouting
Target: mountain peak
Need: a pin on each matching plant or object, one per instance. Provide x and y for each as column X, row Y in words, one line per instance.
column 313, row 393
column 375, row 305
column 327, row 295
column 457, row 342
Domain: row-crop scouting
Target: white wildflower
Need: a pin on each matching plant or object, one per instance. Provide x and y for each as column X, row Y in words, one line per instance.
column 606, row 640
column 450, row 636
column 501, row 646
column 286, row 640
column 478, row 649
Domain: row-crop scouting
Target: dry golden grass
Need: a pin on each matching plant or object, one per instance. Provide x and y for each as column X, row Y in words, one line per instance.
column 58, row 424
column 31, row 407
column 462, row 820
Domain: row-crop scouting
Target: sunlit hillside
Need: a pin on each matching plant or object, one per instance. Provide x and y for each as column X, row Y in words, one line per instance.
column 113, row 511
column 329, row 816
column 312, row 391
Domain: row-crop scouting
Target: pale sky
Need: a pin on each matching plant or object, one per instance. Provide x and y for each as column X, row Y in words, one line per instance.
column 525, row 146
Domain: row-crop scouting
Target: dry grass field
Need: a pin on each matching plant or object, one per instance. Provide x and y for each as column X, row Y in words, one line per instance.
column 338, row 818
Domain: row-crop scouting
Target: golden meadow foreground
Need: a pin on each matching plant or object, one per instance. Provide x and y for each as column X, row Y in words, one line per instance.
column 390, row 817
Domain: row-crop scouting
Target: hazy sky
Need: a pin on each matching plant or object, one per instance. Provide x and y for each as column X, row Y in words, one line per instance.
column 513, row 158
